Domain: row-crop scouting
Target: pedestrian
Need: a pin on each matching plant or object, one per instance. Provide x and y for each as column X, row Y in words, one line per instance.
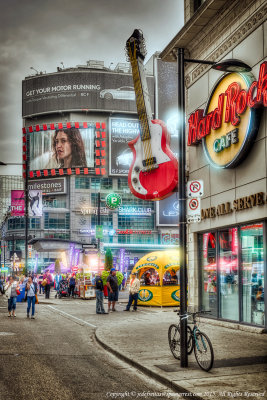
column 47, row 280
column 113, row 289
column 133, row 292
column 2, row 285
column 58, row 279
column 11, row 290
column 99, row 289
column 40, row 280
column 72, row 283
column 31, row 289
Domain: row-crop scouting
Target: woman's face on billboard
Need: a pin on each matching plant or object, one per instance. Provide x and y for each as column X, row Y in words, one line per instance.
column 63, row 148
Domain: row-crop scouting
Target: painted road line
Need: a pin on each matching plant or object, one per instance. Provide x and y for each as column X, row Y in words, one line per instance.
column 71, row 316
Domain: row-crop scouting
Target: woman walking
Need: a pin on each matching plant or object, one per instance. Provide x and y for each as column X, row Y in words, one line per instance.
column 31, row 289
column 11, row 292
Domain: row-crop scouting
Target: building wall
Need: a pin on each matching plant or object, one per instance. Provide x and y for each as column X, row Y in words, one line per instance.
column 238, row 31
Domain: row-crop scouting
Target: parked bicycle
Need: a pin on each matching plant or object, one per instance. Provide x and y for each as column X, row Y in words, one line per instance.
column 196, row 340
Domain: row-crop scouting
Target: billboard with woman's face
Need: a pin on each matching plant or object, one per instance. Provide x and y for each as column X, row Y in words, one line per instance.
column 61, row 148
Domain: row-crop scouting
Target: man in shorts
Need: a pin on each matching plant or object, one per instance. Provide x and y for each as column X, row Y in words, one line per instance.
column 113, row 289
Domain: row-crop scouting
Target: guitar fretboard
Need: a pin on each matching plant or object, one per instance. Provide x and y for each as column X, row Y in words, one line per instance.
column 142, row 96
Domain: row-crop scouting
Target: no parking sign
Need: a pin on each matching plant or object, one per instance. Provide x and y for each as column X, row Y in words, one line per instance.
column 193, row 210
column 195, row 188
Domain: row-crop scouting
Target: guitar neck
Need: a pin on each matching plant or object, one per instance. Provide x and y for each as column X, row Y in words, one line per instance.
column 142, row 97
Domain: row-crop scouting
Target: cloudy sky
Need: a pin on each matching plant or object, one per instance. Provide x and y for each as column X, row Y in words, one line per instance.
column 44, row 33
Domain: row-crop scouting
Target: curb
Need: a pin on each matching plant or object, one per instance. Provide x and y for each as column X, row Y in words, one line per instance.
column 176, row 388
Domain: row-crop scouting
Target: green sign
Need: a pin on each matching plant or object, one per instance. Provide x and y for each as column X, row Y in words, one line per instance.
column 99, row 231
column 113, row 201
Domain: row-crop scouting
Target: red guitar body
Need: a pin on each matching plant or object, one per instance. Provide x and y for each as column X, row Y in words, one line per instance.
column 153, row 174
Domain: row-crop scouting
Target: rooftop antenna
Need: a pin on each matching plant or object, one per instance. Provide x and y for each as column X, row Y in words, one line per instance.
column 62, row 64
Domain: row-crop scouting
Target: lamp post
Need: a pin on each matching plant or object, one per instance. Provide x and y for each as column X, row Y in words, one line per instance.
column 230, row 65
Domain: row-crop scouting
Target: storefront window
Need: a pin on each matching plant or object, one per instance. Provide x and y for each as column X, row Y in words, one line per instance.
column 149, row 277
column 208, row 272
column 171, row 277
column 228, row 270
column 252, row 274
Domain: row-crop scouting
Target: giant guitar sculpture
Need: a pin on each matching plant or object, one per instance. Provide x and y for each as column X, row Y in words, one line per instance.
column 153, row 174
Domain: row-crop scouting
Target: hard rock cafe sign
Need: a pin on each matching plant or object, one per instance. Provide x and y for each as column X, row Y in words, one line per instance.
column 230, row 122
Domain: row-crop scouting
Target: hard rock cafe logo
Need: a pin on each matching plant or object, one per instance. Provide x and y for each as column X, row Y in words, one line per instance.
column 230, row 122
column 176, row 295
column 145, row 295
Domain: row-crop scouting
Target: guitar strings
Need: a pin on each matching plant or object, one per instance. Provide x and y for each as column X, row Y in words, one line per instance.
column 140, row 103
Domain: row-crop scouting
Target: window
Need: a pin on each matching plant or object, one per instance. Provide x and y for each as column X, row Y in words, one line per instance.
column 82, row 182
column 252, row 274
column 52, row 202
column 56, row 221
column 135, row 222
column 228, row 270
column 232, row 273
column 19, row 223
column 208, row 272
column 149, row 277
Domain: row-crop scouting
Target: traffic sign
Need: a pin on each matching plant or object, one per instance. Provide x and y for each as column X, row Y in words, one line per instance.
column 113, row 201
column 193, row 210
column 195, row 188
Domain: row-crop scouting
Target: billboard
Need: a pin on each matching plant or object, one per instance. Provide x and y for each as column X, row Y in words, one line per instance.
column 49, row 186
column 61, row 147
column 35, row 203
column 167, row 83
column 167, row 211
column 80, row 91
column 122, row 131
column 17, row 203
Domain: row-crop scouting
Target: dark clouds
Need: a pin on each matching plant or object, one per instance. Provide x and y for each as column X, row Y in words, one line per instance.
column 44, row 33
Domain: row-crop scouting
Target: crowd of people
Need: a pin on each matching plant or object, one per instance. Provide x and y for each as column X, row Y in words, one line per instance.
column 41, row 284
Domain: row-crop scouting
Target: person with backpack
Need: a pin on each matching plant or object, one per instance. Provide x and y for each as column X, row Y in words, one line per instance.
column 31, row 289
column 99, row 290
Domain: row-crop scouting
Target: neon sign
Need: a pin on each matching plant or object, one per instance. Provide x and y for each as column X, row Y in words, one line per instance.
column 231, row 119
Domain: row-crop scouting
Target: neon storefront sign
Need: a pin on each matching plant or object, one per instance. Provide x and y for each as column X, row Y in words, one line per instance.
column 230, row 122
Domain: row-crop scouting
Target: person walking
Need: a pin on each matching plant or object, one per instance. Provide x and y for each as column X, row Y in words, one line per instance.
column 99, row 290
column 72, row 283
column 40, row 280
column 2, row 285
column 113, row 289
column 11, row 292
column 31, row 289
column 58, row 279
column 48, row 279
column 133, row 292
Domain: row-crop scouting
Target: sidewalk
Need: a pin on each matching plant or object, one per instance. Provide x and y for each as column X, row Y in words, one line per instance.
column 141, row 339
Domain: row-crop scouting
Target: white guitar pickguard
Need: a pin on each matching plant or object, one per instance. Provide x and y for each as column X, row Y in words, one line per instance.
column 143, row 152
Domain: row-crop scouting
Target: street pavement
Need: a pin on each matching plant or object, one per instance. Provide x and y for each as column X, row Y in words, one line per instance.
column 58, row 356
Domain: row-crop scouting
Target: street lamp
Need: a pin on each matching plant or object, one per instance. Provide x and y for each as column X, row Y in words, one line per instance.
column 230, row 65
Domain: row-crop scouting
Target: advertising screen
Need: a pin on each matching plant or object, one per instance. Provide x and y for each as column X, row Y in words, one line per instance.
column 80, row 90
column 167, row 211
column 62, row 148
column 122, row 131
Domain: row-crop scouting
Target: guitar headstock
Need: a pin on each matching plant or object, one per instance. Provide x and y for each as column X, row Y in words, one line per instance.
column 135, row 46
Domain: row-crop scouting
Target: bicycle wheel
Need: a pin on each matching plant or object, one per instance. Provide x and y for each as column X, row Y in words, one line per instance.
column 174, row 340
column 203, row 351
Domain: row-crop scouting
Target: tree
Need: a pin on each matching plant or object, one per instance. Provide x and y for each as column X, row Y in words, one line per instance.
column 108, row 260
column 57, row 267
